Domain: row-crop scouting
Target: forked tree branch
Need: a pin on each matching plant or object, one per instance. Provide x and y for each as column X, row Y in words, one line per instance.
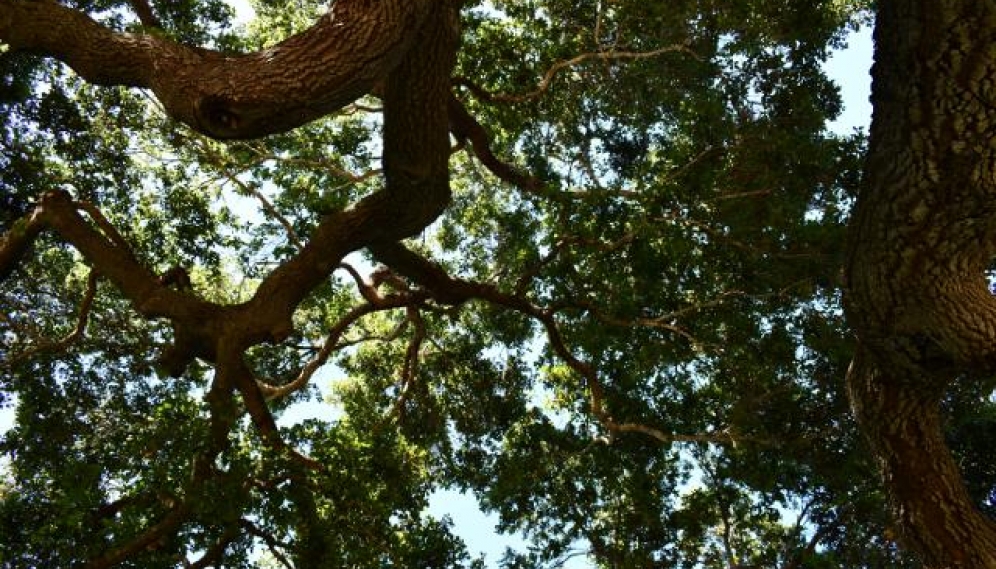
column 450, row 290
column 332, row 343
column 355, row 44
column 272, row 544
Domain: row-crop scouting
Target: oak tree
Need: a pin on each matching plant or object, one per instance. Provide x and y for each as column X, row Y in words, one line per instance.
column 586, row 261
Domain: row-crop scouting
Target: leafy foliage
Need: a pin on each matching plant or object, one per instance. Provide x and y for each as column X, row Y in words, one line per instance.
column 683, row 239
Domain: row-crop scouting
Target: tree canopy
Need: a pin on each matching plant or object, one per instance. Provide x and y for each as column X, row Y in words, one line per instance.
column 588, row 262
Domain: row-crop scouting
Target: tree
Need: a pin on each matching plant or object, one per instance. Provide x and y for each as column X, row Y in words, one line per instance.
column 601, row 285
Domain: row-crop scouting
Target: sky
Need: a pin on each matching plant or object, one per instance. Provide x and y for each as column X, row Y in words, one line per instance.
column 850, row 69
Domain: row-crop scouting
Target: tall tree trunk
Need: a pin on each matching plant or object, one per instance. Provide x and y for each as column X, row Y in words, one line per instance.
column 921, row 237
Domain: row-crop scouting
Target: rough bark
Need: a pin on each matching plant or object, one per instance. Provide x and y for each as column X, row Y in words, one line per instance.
column 408, row 46
column 304, row 77
column 416, row 147
column 922, row 235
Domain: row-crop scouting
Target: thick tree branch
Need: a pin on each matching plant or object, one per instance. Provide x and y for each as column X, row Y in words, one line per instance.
column 14, row 244
column 145, row 13
column 416, row 153
column 921, row 237
column 355, row 44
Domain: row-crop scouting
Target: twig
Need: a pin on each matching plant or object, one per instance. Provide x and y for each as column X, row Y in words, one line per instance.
column 271, row 542
column 324, row 164
column 410, row 367
column 247, row 189
column 450, row 290
column 559, row 66
column 81, row 322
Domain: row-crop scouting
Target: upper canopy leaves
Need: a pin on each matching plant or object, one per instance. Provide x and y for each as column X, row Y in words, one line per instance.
column 628, row 339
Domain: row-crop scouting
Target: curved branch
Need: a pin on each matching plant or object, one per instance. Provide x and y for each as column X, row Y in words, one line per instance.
column 937, row 516
column 78, row 331
column 410, row 366
column 271, row 392
column 271, row 542
column 449, row 290
column 465, row 127
column 562, row 65
column 337, row 60
column 164, row 528
column 14, row 244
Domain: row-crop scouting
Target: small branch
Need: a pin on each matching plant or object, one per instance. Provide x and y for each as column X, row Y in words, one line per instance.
column 248, row 190
column 85, row 306
column 559, row 66
column 77, row 333
column 662, row 322
column 450, row 290
column 338, row 171
column 112, row 509
column 167, row 526
column 271, row 542
column 465, row 127
column 212, row 556
column 145, row 14
column 532, row 272
column 410, row 367
column 724, row 517
column 367, row 291
column 271, row 392
column 722, row 437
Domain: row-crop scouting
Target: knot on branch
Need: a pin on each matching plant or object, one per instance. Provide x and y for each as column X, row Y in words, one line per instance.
column 216, row 116
column 56, row 196
column 176, row 277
